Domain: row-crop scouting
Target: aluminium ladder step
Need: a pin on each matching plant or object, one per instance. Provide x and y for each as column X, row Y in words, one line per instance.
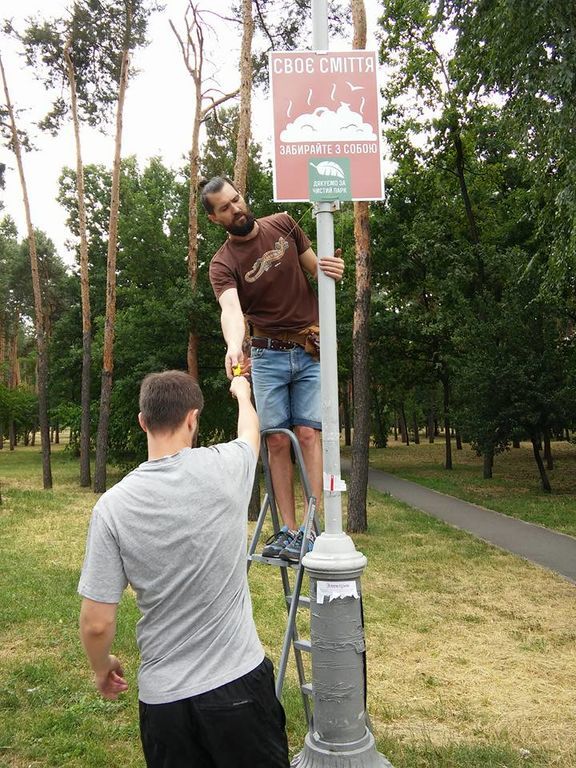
column 274, row 561
column 303, row 601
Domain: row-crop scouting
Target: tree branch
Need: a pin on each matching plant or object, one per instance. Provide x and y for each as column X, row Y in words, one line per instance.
column 263, row 24
column 217, row 102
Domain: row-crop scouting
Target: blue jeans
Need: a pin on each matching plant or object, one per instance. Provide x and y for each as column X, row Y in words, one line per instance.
column 286, row 386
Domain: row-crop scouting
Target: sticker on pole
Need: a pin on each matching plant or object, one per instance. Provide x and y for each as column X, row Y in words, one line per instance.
column 333, row 483
column 327, row 130
column 335, row 590
column 329, row 179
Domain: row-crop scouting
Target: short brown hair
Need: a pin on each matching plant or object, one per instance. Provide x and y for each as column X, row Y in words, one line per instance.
column 166, row 398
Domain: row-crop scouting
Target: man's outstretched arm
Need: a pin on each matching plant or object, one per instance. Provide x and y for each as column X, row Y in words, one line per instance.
column 232, row 321
column 248, row 424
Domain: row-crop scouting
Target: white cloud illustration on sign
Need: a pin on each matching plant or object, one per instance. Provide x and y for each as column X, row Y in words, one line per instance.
column 326, row 125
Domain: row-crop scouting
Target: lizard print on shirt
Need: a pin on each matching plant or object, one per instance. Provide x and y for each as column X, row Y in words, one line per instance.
column 267, row 261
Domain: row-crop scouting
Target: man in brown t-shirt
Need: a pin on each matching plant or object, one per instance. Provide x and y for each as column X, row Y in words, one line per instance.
column 260, row 275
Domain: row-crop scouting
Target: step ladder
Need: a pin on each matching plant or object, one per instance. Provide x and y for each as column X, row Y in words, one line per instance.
column 292, row 596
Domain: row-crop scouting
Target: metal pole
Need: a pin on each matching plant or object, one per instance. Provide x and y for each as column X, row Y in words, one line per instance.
column 329, row 375
column 339, row 736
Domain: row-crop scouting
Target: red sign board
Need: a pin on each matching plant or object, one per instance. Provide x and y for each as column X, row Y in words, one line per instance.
column 325, row 109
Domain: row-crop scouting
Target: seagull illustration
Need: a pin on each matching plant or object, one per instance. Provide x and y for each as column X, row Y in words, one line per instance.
column 354, row 87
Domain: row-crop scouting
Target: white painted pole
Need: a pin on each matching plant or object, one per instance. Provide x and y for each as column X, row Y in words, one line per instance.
column 339, row 736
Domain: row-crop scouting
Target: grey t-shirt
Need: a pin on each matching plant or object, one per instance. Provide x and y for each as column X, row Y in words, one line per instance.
column 175, row 530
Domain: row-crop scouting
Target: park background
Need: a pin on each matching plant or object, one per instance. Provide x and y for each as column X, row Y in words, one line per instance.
column 456, row 349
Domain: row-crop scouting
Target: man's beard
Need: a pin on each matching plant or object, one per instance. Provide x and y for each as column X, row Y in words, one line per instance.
column 240, row 230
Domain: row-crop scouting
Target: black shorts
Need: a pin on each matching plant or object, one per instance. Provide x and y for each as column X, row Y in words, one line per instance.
column 239, row 725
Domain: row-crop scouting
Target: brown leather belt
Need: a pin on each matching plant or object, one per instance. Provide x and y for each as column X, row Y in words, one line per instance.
column 277, row 344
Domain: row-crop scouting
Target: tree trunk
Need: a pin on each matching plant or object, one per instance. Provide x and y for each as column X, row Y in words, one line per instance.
column 447, row 438
column 395, row 426
column 416, row 429
column 488, row 463
column 193, row 342
column 458, row 440
column 515, row 443
column 548, row 449
column 12, row 434
column 243, row 142
column 192, row 355
column 357, row 515
column 545, row 482
column 404, row 425
column 381, row 427
column 85, row 478
column 346, row 389
column 108, row 359
column 430, row 426
column 193, row 54
column 39, row 321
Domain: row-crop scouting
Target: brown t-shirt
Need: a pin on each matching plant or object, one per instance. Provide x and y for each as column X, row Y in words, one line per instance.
column 274, row 292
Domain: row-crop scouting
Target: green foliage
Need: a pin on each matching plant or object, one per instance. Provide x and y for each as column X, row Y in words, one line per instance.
column 55, row 283
column 19, row 405
column 524, row 54
column 95, row 33
column 9, row 308
column 463, row 256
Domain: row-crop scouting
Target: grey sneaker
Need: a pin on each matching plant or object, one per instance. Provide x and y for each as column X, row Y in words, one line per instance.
column 291, row 551
column 277, row 542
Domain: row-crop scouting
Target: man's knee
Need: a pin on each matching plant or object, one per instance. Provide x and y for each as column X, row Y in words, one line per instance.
column 308, row 437
column 278, row 443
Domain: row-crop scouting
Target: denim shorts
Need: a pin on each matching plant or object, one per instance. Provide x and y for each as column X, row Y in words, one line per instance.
column 286, row 386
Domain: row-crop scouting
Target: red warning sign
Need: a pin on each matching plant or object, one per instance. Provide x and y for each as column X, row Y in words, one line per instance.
column 326, row 109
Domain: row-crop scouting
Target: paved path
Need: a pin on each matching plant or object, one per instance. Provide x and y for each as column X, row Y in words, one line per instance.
column 555, row 551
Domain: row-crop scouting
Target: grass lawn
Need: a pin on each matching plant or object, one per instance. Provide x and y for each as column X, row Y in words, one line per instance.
column 471, row 652
column 514, row 488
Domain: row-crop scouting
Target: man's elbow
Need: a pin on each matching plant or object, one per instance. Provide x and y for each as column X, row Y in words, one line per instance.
column 96, row 624
column 93, row 628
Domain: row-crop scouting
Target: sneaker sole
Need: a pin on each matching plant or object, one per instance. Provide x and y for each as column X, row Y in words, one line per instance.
column 290, row 558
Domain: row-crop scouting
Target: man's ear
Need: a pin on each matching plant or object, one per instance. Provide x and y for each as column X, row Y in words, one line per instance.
column 212, row 218
column 192, row 418
column 141, row 422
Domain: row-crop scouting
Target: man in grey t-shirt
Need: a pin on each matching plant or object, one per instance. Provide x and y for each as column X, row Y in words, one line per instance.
column 170, row 529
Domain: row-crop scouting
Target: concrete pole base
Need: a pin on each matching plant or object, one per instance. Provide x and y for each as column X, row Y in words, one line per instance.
column 319, row 754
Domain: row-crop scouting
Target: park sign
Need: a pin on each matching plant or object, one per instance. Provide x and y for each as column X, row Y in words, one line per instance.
column 326, row 121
